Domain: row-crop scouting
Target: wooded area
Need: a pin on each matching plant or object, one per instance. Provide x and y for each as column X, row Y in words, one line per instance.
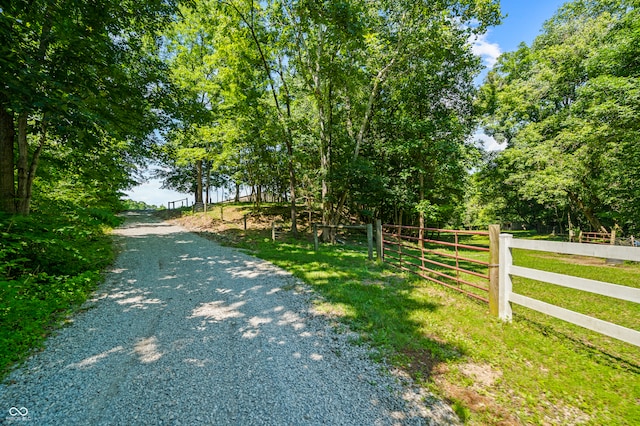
column 366, row 109
column 81, row 85
column 567, row 108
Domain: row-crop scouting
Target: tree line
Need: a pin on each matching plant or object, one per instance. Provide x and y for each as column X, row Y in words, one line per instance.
column 363, row 108
column 366, row 109
column 567, row 109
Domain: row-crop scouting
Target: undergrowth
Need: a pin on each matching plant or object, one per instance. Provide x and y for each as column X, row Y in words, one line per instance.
column 50, row 261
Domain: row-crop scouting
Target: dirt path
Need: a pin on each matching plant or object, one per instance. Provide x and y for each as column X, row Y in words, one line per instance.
column 185, row 331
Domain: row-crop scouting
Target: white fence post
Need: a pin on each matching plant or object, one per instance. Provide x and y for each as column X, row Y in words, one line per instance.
column 494, row 273
column 504, row 289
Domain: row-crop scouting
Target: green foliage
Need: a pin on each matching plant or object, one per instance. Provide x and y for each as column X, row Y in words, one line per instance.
column 82, row 88
column 50, row 262
column 359, row 106
column 139, row 205
column 567, row 106
column 224, row 130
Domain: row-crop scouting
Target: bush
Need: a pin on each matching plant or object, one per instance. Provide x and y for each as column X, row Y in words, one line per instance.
column 49, row 264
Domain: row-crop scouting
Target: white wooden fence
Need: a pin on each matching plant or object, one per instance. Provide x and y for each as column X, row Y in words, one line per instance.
column 507, row 296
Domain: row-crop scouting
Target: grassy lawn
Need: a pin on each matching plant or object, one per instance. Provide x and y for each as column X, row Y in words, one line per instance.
column 534, row 370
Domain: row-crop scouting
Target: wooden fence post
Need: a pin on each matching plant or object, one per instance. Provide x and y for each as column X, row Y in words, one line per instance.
column 273, row 231
column 379, row 247
column 613, row 236
column 244, row 219
column 370, row 240
column 399, row 237
column 494, row 272
column 315, row 236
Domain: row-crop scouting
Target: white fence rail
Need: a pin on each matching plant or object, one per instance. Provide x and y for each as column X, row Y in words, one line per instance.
column 506, row 296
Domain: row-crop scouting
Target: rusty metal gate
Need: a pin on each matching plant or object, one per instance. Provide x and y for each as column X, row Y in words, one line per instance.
column 456, row 259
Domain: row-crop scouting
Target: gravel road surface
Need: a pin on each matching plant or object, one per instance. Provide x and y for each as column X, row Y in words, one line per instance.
column 185, row 331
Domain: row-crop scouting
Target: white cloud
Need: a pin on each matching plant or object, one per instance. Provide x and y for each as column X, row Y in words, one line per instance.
column 488, row 51
column 490, row 144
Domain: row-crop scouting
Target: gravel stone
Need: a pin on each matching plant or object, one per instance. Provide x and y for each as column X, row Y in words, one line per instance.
column 185, row 331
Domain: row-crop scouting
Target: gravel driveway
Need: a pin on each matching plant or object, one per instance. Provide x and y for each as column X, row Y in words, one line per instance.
column 185, row 331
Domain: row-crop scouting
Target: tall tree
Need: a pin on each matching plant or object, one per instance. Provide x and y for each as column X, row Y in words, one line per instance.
column 560, row 106
column 324, row 84
column 72, row 72
column 222, row 115
column 266, row 36
column 346, row 54
column 191, row 56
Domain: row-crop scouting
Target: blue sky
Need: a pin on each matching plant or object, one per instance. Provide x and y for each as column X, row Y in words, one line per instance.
column 522, row 24
column 524, row 21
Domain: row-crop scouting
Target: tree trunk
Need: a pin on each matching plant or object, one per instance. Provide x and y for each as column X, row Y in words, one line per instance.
column 325, row 165
column 237, row 196
column 198, row 194
column 23, row 164
column 323, row 104
column 35, row 160
column 27, row 167
column 589, row 214
column 364, row 126
column 324, row 194
column 283, row 116
column 292, row 189
column 7, row 184
column 421, row 214
column 208, row 184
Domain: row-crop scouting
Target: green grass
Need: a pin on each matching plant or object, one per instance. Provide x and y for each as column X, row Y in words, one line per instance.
column 534, row 370
column 609, row 309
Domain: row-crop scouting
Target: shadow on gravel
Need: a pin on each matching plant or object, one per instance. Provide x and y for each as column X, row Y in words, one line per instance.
column 390, row 312
column 185, row 314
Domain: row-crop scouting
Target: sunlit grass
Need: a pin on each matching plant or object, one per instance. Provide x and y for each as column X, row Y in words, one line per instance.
column 621, row 312
column 536, row 370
